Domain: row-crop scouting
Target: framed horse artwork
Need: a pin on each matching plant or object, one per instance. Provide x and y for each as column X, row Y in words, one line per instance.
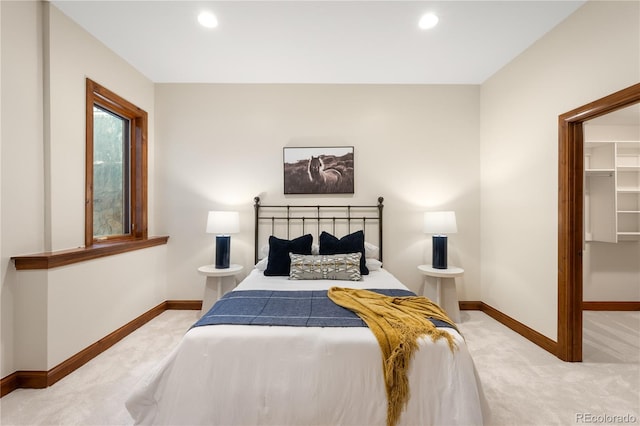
column 321, row 170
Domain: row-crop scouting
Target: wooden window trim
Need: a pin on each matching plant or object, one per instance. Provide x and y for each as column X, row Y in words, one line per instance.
column 97, row 94
column 49, row 260
column 137, row 239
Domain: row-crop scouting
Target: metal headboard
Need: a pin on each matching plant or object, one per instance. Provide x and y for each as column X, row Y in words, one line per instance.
column 316, row 218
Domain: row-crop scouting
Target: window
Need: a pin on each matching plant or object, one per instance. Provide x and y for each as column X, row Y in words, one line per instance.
column 111, row 174
column 116, row 162
column 116, row 184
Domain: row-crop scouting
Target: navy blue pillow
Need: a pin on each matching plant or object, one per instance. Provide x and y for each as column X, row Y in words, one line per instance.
column 352, row 243
column 279, row 261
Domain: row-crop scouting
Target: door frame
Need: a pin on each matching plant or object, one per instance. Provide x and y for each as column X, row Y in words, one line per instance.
column 570, row 215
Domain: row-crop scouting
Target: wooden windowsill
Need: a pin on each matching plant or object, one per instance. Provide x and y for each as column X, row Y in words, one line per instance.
column 55, row 259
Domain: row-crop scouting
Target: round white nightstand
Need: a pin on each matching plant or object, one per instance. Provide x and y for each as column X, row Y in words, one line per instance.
column 213, row 287
column 451, row 306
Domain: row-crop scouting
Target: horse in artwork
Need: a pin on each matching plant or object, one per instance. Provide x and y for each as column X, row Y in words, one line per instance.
column 319, row 175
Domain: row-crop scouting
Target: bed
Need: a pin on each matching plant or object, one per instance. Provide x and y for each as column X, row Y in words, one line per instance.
column 238, row 374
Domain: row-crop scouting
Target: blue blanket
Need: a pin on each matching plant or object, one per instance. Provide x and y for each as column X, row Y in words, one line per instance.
column 288, row 308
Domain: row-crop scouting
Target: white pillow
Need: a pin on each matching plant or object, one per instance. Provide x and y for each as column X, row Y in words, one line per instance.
column 371, row 251
column 373, row 264
column 262, row 265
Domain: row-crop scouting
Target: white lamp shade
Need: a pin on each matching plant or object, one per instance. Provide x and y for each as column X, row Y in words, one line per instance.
column 440, row 223
column 221, row 222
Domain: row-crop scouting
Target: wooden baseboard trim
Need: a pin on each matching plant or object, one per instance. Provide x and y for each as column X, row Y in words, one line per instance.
column 23, row 379
column 43, row 379
column 9, row 384
column 184, row 305
column 528, row 333
column 470, row 305
column 539, row 339
column 611, row 306
column 81, row 358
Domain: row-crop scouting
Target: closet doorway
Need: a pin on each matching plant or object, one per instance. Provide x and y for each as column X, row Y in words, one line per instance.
column 611, row 251
column 571, row 215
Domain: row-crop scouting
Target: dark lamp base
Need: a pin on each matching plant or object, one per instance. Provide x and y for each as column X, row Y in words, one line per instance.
column 439, row 252
column 223, row 244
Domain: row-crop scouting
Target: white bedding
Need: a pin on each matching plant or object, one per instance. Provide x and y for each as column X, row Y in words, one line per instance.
column 256, row 375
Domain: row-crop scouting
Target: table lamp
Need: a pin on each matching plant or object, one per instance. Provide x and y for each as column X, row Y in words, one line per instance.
column 223, row 223
column 439, row 224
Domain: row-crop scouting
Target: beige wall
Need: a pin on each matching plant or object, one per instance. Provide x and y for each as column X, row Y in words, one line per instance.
column 113, row 290
column 74, row 55
column 218, row 146
column 594, row 52
column 48, row 316
column 488, row 153
column 22, row 157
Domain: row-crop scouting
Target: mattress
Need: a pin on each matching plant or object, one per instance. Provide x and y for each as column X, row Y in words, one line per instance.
column 274, row 375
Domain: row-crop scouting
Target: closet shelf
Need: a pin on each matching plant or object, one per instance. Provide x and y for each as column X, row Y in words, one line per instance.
column 599, row 172
column 612, row 191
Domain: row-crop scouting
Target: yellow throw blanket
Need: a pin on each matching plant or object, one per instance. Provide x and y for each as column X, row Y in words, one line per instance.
column 397, row 323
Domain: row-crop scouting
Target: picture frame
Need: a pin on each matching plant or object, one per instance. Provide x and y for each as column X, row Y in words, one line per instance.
column 318, row 170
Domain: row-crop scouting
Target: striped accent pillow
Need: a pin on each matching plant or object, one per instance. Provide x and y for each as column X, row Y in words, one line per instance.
column 325, row 267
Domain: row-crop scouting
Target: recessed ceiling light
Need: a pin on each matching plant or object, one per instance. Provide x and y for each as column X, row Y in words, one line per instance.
column 428, row 20
column 207, row 19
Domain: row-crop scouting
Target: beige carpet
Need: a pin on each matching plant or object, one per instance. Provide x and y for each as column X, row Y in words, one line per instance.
column 524, row 384
column 95, row 393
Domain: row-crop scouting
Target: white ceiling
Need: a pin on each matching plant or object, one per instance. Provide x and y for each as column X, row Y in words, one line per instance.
column 318, row 41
